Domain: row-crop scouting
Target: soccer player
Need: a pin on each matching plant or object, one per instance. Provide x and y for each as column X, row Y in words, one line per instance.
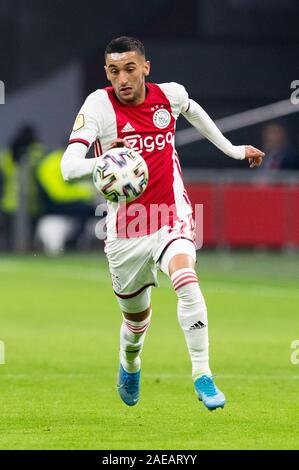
column 142, row 115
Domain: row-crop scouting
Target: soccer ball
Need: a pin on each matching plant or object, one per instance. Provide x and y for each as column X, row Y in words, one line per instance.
column 120, row 172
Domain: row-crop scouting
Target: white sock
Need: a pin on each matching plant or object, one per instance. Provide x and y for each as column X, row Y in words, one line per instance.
column 132, row 335
column 192, row 316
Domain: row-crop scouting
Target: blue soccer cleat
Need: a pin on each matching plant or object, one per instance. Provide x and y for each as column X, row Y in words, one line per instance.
column 129, row 386
column 208, row 393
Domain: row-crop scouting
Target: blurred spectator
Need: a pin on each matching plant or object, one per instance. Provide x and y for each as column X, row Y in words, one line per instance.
column 280, row 155
column 25, row 152
column 66, row 206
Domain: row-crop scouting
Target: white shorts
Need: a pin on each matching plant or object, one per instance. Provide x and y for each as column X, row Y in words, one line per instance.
column 133, row 262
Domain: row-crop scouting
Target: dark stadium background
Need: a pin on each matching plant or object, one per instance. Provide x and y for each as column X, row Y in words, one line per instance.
column 231, row 55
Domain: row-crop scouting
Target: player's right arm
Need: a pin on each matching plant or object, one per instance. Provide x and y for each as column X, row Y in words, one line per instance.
column 197, row 116
column 85, row 131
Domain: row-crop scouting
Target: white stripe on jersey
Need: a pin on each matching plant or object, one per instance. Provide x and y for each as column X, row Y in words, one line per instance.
column 183, row 207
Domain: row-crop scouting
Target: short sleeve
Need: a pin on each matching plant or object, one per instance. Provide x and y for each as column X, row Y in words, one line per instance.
column 183, row 97
column 177, row 96
column 87, row 124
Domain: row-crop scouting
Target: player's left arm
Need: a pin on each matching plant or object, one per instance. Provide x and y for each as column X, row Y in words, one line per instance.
column 197, row 116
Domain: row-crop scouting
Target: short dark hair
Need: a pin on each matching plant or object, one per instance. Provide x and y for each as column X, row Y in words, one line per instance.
column 125, row 44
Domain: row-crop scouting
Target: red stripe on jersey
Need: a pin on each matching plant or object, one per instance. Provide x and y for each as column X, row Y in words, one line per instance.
column 97, row 148
column 100, row 147
column 79, row 141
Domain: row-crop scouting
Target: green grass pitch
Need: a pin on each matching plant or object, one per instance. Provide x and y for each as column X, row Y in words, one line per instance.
column 60, row 322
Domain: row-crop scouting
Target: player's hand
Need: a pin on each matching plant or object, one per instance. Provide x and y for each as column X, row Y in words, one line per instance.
column 119, row 143
column 254, row 156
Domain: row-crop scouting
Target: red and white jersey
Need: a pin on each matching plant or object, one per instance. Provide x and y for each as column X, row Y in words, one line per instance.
column 150, row 130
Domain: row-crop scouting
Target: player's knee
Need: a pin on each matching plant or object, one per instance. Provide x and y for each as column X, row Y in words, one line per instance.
column 179, row 254
column 135, row 327
column 136, row 308
column 137, row 317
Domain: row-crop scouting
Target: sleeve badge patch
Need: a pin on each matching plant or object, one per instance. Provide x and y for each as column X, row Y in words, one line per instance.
column 79, row 122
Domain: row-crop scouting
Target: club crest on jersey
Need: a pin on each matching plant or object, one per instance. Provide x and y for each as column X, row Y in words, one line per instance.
column 161, row 118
